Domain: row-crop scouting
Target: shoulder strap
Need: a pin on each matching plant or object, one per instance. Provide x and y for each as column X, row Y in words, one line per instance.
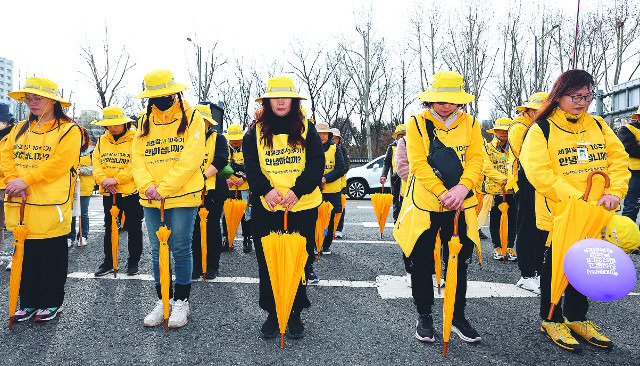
column 598, row 123
column 545, row 127
column 428, row 125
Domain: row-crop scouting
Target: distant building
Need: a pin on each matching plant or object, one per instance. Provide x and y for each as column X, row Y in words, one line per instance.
column 6, row 80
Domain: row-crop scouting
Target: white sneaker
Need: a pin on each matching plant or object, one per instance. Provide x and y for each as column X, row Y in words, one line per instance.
column 9, row 265
column 69, row 243
column 179, row 314
column 84, row 242
column 156, row 315
column 338, row 234
column 529, row 284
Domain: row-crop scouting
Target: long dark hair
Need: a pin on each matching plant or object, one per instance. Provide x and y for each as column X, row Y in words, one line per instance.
column 184, row 121
column 86, row 139
column 265, row 117
column 567, row 83
column 58, row 114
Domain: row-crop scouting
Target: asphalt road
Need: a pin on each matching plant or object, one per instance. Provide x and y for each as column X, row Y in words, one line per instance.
column 350, row 322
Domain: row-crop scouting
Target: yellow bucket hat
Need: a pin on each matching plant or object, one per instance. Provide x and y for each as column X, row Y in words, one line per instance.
column 160, row 83
column 402, row 128
column 501, row 124
column 112, row 116
column 447, row 87
column 234, row 133
column 636, row 115
column 280, row 87
column 205, row 111
column 623, row 232
column 42, row 87
column 535, row 101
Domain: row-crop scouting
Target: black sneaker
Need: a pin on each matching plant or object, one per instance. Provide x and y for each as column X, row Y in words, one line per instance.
column 211, row 275
column 195, row 275
column 47, row 314
column 464, row 330
column 24, row 314
column 225, row 244
column 270, row 327
column 296, row 328
column 103, row 270
column 247, row 246
column 132, row 270
column 482, row 235
column 424, row 328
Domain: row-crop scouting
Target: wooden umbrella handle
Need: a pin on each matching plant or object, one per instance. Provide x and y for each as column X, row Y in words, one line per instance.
column 204, row 192
column 114, row 198
column 382, row 187
column 236, row 191
column 22, row 205
column 162, row 211
column 286, row 213
column 504, row 194
column 607, row 182
column 456, row 219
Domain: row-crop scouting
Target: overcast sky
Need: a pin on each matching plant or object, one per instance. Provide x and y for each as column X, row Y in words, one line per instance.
column 43, row 37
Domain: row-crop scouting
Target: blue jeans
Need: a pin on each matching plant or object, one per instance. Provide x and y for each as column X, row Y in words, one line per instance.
column 180, row 221
column 630, row 208
column 84, row 215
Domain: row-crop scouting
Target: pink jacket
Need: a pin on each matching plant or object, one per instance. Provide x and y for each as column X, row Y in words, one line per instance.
column 401, row 161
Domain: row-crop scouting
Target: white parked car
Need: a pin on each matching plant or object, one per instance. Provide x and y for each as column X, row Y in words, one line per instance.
column 365, row 179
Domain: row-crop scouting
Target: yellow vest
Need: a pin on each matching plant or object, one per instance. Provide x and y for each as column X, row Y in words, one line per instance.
column 112, row 159
column 554, row 171
column 170, row 161
column 209, row 153
column 393, row 159
column 329, row 165
column 238, row 158
column 3, row 185
column 39, row 151
column 282, row 165
column 497, row 168
column 634, row 163
column 86, row 181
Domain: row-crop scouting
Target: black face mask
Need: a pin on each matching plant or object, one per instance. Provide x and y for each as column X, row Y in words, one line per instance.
column 163, row 103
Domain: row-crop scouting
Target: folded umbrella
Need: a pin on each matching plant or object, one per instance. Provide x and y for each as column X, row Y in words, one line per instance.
column 452, row 281
column 163, row 234
column 322, row 224
column 286, row 255
column 381, row 204
column 573, row 220
column 504, row 224
column 19, row 236
column 115, row 237
column 203, row 213
column 233, row 211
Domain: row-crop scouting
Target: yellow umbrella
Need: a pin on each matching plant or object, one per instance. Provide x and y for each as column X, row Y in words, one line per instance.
column 437, row 259
column 504, row 224
column 122, row 220
column 19, row 236
column 233, row 211
column 573, row 220
column 115, row 245
column 286, row 255
column 452, row 281
column 163, row 234
column 203, row 213
column 381, row 204
column 322, row 225
column 339, row 215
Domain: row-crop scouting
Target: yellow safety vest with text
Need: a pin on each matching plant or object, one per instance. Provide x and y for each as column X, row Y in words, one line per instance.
column 329, row 165
column 209, row 153
column 238, row 158
column 112, row 159
column 634, row 163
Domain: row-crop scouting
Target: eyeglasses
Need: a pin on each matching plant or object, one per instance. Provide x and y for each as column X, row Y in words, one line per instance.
column 33, row 100
column 578, row 98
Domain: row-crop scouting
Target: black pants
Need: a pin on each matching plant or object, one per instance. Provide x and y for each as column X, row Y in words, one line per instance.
column 214, row 205
column 575, row 305
column 303, row 222
column 494, row 221
column 44, row 272
column 530, row 241
column 336, row 200
column 133, row 215
column 396, row 184
column 423, row 265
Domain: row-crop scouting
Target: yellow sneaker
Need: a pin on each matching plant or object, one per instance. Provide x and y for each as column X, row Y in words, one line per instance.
column 589, row 332
column 560, row 334
column 511, row 255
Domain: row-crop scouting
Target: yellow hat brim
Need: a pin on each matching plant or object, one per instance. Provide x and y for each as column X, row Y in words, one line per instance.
column 529, row 105
column 163, row 92
column 19, row 95
column 280, row 94
column 209, row 119
column 113, row 121
column 395, row 134
column 234, row 137
column 459, row 97
column 499, row 128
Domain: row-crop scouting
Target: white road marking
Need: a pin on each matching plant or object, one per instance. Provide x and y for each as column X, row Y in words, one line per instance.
column 389, row 287
column 364, row 241
column 364, row 207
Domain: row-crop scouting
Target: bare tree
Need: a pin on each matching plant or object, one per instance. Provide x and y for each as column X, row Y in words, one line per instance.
column 204, row 82
column 425, row 42
column 106, row 72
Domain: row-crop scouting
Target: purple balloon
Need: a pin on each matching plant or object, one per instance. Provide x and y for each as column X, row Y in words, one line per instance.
column 599, row 270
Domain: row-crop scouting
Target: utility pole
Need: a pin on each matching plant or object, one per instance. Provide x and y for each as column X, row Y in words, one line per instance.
column 367, row 88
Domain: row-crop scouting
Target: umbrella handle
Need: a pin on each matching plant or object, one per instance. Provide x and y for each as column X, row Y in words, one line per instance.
column 286, row 213
column 456, row 219
column 607, row 182
column 504, row 195
column 236, row 191
column 204, row 191
column 162, row 211
column 114, row 199
column 22, row 204
column 382, row 187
